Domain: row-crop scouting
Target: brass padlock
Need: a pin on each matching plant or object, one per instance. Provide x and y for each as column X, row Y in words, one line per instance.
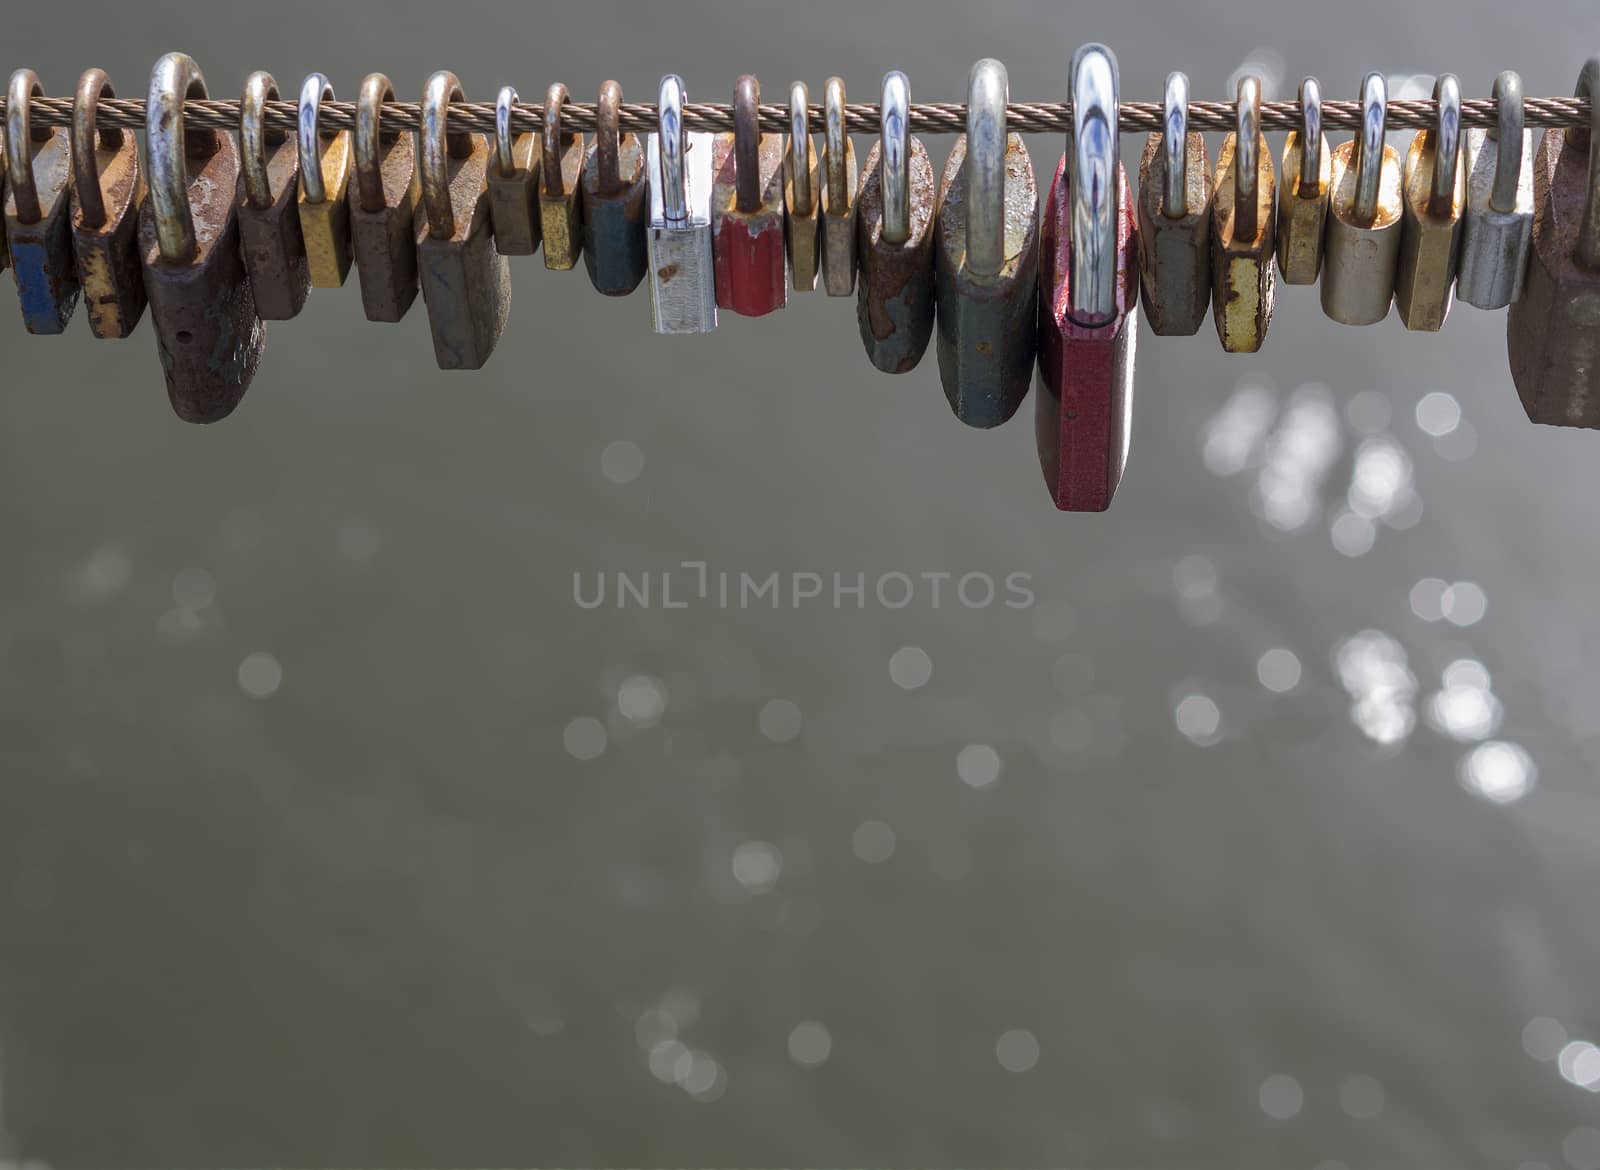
column 201, row 304
column 616, row 201
column 1243, row 229
column 1361, row 246
column 269, row 217
column 561, row 174
column 1553, row 332
column 986, row 260
column 325, row 165
column 1175, row 219
column 894, row 228
column 385, row 201
column 466, row 283
column 840, row 190
column 802, row 206
column 1497, row 231
column 38, row 212
column 514, row 182
column 1434, row 188
column 108, row 190
column 1307, row 182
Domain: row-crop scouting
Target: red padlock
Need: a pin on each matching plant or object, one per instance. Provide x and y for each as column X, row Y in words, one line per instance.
column 1088, row 286
column 747, row 228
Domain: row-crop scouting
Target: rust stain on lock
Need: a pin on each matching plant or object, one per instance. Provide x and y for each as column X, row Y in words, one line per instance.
column 1244, row 281
column 1302, row 212
column 107, row 255
column 894, row 293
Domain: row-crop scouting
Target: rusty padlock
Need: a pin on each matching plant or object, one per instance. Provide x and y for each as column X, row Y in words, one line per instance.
column 385, row 201
column 107, row 192
column 1088, row 284
column 616, row 201
column 1244, row 283
column 269, row 217
column 201, row 303
column 1307, row 182
column 466, row 283
column 986, row 260
column 1175, row 219
column 325, row 165
column 747, row 237
column 514, row 182
column 801, row 202
column 1498, row 229
column 1361, row 245
column 1434, row 187
column 560, row 176
column 894, row 239
column 840, row 191
column 38, row 212
column 1553, row 332
column 683, row 289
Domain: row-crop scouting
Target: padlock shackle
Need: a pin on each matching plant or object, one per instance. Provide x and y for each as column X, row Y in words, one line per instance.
column 369, row 139
column 1589, row 229
column 1095, row 185
column 608, row 137
column 988, row 90
column 1175, row 146
column 1308, row 184
column 670, row 101
column 1445, row 140
column 1507, row 131
column 894, row 157
column 314, row 90
column 92, row 86
column 255, row 136
column 800, row 148
column 175, row 79
column 18, row 136
column 836, row 141
column 504, row 161
column 1369, row 147
column 551, row 180
column 1247, row 158
column 436, row 141
column 747, row 143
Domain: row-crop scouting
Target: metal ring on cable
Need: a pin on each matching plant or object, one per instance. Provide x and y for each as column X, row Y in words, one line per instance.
column 18, row 134
column 1369, row 147
column 92, row 86
column 504, row 100
column 800, row 147
column 175, row 79
column 988, row 90
column 670, row 101
column 1310, row 180
column 313, row 92
column 1094, row 185
column 1589, row 229
column 836, row 141
column 1247, row 157
column 437, row 141
column 894, row 157
column 255, row 137
column 747, row 143
column 1175, row 146
column 375, row 90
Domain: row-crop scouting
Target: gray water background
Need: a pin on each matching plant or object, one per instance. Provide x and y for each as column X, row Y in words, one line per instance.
column 298, row 865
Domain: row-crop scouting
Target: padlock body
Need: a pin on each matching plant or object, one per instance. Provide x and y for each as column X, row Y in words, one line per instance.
column 1244, row 281
column 614, row 247
column 802, row 228
column 466, row 282
column 1494, row 244
column 1302, row 213
column 683, row 287
column 560, row 212
column 208, row 332
column 1175, row 251
column 273, row 245
column 384, row 240
column 839, row 234
column 747, row 247
column 41, row 252
column 1553, row 332
column 514, row 199
column 325, row 225
column 894, row 293
column 1084, row 403
column 987, row 323
column 1430, row 242
column 107, row 257
column 1359, row 258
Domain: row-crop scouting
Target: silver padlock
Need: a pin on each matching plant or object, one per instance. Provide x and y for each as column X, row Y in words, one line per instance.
column 1498, row 232
column 683, row 290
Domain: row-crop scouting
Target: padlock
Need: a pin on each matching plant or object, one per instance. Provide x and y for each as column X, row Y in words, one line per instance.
column 107, row 192
column 325, row 165
column 38, row 212
column 986, row 260
column 514, row 183
column 385, row 201
column 5, row 252
column 1553, row 332
column 201, row 303
column 840, row 191
column 466, row 283
column 747, row 233
column 683, row 287
column 1244, row 282
column 560, row 177
column 616, row 201
column 894, row 239
column 1497, row 232
column 1307, row 182
column 1434, row 190
column 1088, row 285
column 1361, row 245
column 268, row 212
column 801, row 201
column 1175, row 220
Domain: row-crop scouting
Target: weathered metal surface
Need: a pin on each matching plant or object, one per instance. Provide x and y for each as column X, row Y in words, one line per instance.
column 987, row 322
column 802, row 222
column 683, row 287
column 1302, row 211
column 514, row 184
column 268, row 209
column 1175, row 249
column 1243, row 278
column 326, row 163
column 894, row 294
column 385, row 202
column 108, row 189
column 616, row 202
column 560, row 178
column 38, row 213
column 841, row 188
column 1434, row 194
column 1361, row 245
column 747, row 213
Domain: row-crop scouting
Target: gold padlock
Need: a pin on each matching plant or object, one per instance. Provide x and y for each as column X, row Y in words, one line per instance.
column 1303, row 202
column 325, row 165
column 1435, row 192
column 1244, row 282
column 1362, row 244
column 560, row 180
